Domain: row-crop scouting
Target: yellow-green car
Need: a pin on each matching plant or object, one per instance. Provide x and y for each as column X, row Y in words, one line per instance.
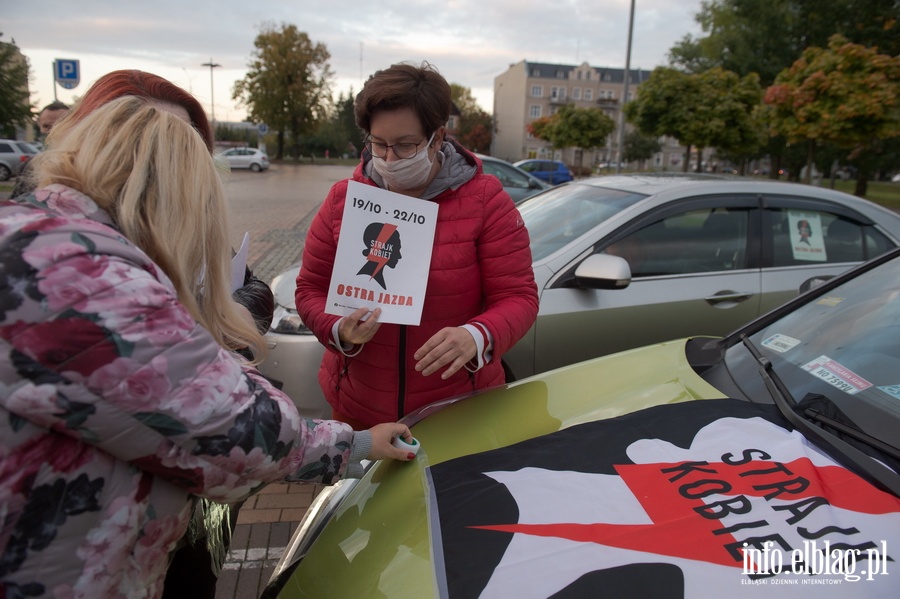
column 702, row 467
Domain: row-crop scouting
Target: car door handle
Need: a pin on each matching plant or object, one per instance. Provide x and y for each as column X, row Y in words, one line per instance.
column 728, row 296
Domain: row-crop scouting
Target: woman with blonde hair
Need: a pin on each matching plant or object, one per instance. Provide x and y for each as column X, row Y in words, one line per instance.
column 121, row 397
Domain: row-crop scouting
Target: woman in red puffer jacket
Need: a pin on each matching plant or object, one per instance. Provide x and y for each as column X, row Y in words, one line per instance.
column 480, row 297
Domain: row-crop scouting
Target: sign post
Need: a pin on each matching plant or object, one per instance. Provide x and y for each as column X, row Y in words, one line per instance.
column 67, row 73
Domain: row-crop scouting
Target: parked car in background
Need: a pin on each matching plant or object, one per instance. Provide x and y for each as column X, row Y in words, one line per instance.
column 14, row 154
column 553, row 172
column 253, row 158
column 626, row 261
column 698, row 468
column 516, row 182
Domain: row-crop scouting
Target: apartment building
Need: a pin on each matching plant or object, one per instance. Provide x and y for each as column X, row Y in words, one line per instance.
column 530, row 90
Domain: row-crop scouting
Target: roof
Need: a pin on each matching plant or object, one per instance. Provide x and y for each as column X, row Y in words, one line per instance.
column 551, row 71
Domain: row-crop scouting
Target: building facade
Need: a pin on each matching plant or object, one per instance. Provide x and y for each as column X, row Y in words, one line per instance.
column 528, row 91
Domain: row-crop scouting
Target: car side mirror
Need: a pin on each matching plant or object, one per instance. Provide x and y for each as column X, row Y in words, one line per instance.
column 603, row 271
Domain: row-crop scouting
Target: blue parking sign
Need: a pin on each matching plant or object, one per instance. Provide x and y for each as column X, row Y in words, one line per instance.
column 67, row 72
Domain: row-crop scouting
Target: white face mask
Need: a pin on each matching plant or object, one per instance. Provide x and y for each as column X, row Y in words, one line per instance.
column 409, row 173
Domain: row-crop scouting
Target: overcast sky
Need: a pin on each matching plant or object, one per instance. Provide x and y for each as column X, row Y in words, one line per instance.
column 469, row 41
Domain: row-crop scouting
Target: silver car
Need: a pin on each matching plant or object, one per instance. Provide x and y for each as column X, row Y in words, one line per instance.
column 516, row 182
column 14, row 155
column 253, row 158
column 626, row 261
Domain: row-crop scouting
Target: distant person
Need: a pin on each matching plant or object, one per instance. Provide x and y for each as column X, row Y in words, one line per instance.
column 47, row 117
column 480, row 297
column 50, row 114
column 124, row 397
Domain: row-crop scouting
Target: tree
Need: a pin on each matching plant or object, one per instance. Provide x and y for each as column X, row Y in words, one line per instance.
column 846, row 94
column 767, row 36
column 710, row 109
column 339, row 133
column 640, row 147
column 572, row 127
column 287, row 84
column 15, row 108
column 476, row 125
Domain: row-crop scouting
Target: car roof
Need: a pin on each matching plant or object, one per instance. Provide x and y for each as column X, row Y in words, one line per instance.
column 653, row 184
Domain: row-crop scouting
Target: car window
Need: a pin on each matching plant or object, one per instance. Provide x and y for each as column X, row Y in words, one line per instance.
column 6, row 148
column 558, row 216
column 508, row 176
column 804, row 237
column 26, row 148
column 704, row 240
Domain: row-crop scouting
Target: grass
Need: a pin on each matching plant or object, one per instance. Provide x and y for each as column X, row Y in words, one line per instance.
column 881, row 192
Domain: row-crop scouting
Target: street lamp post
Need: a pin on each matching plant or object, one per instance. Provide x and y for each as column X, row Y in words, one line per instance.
column 212, row 100
column 620, row 149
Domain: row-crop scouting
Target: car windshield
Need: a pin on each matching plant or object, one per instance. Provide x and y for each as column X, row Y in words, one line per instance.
column 843, row 345
column 558, row 216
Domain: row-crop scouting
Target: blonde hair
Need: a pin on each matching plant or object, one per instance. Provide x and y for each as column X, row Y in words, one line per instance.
column 153, row 174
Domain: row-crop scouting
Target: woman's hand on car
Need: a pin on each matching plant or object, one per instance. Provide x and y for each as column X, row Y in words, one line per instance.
column 382, row 437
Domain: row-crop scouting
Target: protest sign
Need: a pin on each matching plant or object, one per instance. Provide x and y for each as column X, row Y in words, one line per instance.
column 383, row 254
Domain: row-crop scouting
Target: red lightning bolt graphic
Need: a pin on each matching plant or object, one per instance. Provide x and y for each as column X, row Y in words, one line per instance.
column 386, row 231
column 687, row 534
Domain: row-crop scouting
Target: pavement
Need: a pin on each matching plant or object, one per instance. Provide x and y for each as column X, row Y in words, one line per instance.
column 264, row 527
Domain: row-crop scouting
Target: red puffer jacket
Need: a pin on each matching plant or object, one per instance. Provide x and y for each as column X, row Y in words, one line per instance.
column 480, row 272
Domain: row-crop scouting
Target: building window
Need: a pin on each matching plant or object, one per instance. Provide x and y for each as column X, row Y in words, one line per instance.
column 576, row 93
column 537, row 91
column 579, row 75
column 535, row 72
column 560, row 74
column 557, row 93
column 588, row 94
column 607, row 77
column 535, row 111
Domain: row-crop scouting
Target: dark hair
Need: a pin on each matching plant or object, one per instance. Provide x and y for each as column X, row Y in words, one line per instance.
column 147, row 86
column 405, row 85
column 54, row 106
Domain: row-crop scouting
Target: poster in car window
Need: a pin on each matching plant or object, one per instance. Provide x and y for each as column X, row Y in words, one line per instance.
column 807, row 240
column 713, row 498
column 383, row 254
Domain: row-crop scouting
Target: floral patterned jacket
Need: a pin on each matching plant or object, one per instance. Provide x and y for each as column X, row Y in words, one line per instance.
column 116, row 407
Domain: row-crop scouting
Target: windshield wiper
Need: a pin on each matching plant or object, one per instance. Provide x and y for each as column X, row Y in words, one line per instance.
column 842, row 451
column 855, row 433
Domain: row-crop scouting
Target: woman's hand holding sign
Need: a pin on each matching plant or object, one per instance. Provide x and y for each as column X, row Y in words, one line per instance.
column 353, row 329
column 451, row 345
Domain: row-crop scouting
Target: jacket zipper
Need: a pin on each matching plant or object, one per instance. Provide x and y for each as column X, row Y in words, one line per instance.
column 401, row 387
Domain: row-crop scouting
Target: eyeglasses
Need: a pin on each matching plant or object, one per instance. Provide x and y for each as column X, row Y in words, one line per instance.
column 402, row 150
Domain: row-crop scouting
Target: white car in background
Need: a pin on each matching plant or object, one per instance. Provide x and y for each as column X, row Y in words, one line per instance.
column 253, row 158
